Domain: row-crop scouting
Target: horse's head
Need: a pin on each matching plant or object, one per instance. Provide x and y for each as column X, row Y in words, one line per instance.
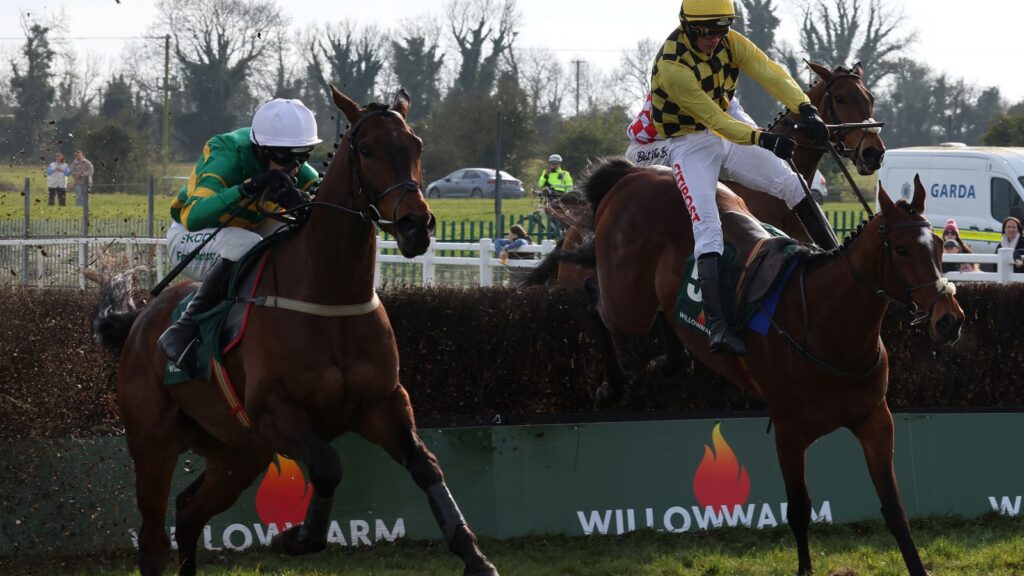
column 842, row 98
column 912, row 264
column 384, row 158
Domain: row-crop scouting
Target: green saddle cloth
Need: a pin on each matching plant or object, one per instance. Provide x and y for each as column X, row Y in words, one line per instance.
column 689, row 307
column 211, row 322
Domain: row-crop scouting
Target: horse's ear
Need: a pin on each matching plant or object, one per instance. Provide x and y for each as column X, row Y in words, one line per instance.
column 858, row 69
column 401, row 103
column 919, row 195
column 350, row 109
column 822, row 72
column 886, row 203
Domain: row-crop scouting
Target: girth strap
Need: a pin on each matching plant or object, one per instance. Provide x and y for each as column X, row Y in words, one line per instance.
column 335, row 310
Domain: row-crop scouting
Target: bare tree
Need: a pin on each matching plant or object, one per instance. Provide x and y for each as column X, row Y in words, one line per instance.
column 78, row 85
column 839, row 32
column 351, row 58
column 484, row 32
column 544, row 80
column 416, row 63
column 631, row 80
column 219, row 45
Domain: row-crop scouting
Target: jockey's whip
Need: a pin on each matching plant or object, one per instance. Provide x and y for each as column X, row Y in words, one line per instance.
column 810, row 198
column 195, row 252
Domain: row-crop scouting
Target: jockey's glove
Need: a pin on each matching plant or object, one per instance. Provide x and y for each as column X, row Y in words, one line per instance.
column 814, row 126
column 268, row 183
column 781, row 146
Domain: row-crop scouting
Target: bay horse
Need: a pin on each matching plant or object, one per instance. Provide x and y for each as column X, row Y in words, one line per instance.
column 304, row 377
column 841, row 96
column 823, row 365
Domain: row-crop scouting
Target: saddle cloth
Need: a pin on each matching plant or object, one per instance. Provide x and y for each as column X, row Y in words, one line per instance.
column 757, row 260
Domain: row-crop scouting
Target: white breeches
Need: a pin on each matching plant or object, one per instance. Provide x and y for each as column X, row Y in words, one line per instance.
column 701, row 159
column 231, row 243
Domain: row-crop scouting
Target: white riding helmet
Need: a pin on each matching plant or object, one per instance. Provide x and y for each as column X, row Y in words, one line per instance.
column 555, row 158
column 284, row 123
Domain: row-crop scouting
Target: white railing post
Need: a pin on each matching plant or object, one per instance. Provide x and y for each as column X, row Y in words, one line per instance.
column 1005, row 265
column 161, row 253
column 376, row 271
column 546, row 247
column 83, row 257
column 486, row 271
column 428, row 264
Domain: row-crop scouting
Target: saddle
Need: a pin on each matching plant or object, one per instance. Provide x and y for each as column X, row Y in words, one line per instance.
column 757, row 260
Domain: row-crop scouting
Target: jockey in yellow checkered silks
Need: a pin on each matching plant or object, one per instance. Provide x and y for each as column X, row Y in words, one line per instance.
column 693, row 81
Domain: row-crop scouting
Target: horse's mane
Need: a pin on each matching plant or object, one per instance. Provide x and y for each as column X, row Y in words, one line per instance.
column 818, row 256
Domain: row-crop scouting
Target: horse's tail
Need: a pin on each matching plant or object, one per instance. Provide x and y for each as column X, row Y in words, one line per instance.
column 604, row 177
column 546, row 273
column 116, row 310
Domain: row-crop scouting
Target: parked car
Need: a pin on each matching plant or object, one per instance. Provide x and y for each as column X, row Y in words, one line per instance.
column 819, row 187
column 474, row 183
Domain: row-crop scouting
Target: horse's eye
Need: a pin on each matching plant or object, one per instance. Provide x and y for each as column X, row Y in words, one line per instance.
column 902, row 250
column 840, row 99
column 364, row 151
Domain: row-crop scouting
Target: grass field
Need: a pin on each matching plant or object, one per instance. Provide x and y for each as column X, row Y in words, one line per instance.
column 992, row 545
column 134, row 205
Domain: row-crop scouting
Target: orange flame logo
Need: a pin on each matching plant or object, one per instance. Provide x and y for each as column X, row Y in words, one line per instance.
column 720, row 480
column 284, row 494
column 700, row 317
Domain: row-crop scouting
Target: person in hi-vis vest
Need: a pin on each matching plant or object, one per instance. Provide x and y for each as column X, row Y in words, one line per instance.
column 554, row 177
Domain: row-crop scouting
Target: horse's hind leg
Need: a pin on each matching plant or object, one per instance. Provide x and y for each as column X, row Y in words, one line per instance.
column 393, row 427
column 675, row 356
column 791, row 447
column 614, row 385
column 876, row 438
column 213, row 492
column 153, row 471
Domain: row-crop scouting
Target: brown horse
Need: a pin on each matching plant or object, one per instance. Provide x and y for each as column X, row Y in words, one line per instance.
column 304, row 377
column 823, row 365
column 842, row 98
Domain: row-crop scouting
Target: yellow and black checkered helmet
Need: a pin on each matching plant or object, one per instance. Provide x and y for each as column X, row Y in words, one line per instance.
column 717, row 13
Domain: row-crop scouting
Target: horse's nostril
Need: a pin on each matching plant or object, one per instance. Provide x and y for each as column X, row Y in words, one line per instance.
column 948, row 326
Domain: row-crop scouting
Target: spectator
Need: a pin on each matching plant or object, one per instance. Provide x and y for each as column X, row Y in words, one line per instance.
column 554, row 177
column 1012, row 239
column 57, row 173
column 81, row 171
column 515, row 239
column 951, row 247
column 952, row 232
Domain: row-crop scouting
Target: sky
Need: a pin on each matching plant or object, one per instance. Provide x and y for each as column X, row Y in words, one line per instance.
column 978, row 40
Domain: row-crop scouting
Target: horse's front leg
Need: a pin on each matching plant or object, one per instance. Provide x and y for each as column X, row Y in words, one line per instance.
column 288, row 430
column 392, row 426
column 876, row 438
column 791, row 447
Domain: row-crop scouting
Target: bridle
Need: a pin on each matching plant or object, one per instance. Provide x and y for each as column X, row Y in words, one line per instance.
column 942, row 286
column 840, row 133
column 372, row 213
column 406, row 186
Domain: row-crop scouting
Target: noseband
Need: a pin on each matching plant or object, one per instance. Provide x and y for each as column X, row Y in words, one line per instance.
column 942, row 286
column 840, row 133
column 406, row 186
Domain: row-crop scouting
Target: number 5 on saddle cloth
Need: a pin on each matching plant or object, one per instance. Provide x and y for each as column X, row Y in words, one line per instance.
column 757, row 260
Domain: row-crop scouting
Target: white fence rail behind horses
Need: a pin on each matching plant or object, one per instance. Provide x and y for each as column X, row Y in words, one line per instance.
column 59, row 262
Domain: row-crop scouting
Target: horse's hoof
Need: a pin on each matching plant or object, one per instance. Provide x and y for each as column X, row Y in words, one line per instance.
column 289, row 542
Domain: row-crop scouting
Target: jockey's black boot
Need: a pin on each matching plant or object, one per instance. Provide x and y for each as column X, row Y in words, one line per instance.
column 723, row 337
column 180, row 340
column 816, row 225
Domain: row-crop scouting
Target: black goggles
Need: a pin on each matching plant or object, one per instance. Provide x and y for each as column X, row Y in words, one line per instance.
column 289, row 156
column 710, row 31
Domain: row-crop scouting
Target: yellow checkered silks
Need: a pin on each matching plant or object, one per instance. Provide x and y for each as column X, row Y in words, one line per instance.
column 716, row 74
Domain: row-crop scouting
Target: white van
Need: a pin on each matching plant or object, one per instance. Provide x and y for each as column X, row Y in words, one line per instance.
column 978, row 186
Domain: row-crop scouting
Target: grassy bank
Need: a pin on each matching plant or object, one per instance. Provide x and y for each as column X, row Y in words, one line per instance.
column 949, row 546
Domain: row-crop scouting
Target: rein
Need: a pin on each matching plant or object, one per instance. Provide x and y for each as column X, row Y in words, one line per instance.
column 942, row 286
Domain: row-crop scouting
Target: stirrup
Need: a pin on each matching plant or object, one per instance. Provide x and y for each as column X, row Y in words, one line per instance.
column 729, row 343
